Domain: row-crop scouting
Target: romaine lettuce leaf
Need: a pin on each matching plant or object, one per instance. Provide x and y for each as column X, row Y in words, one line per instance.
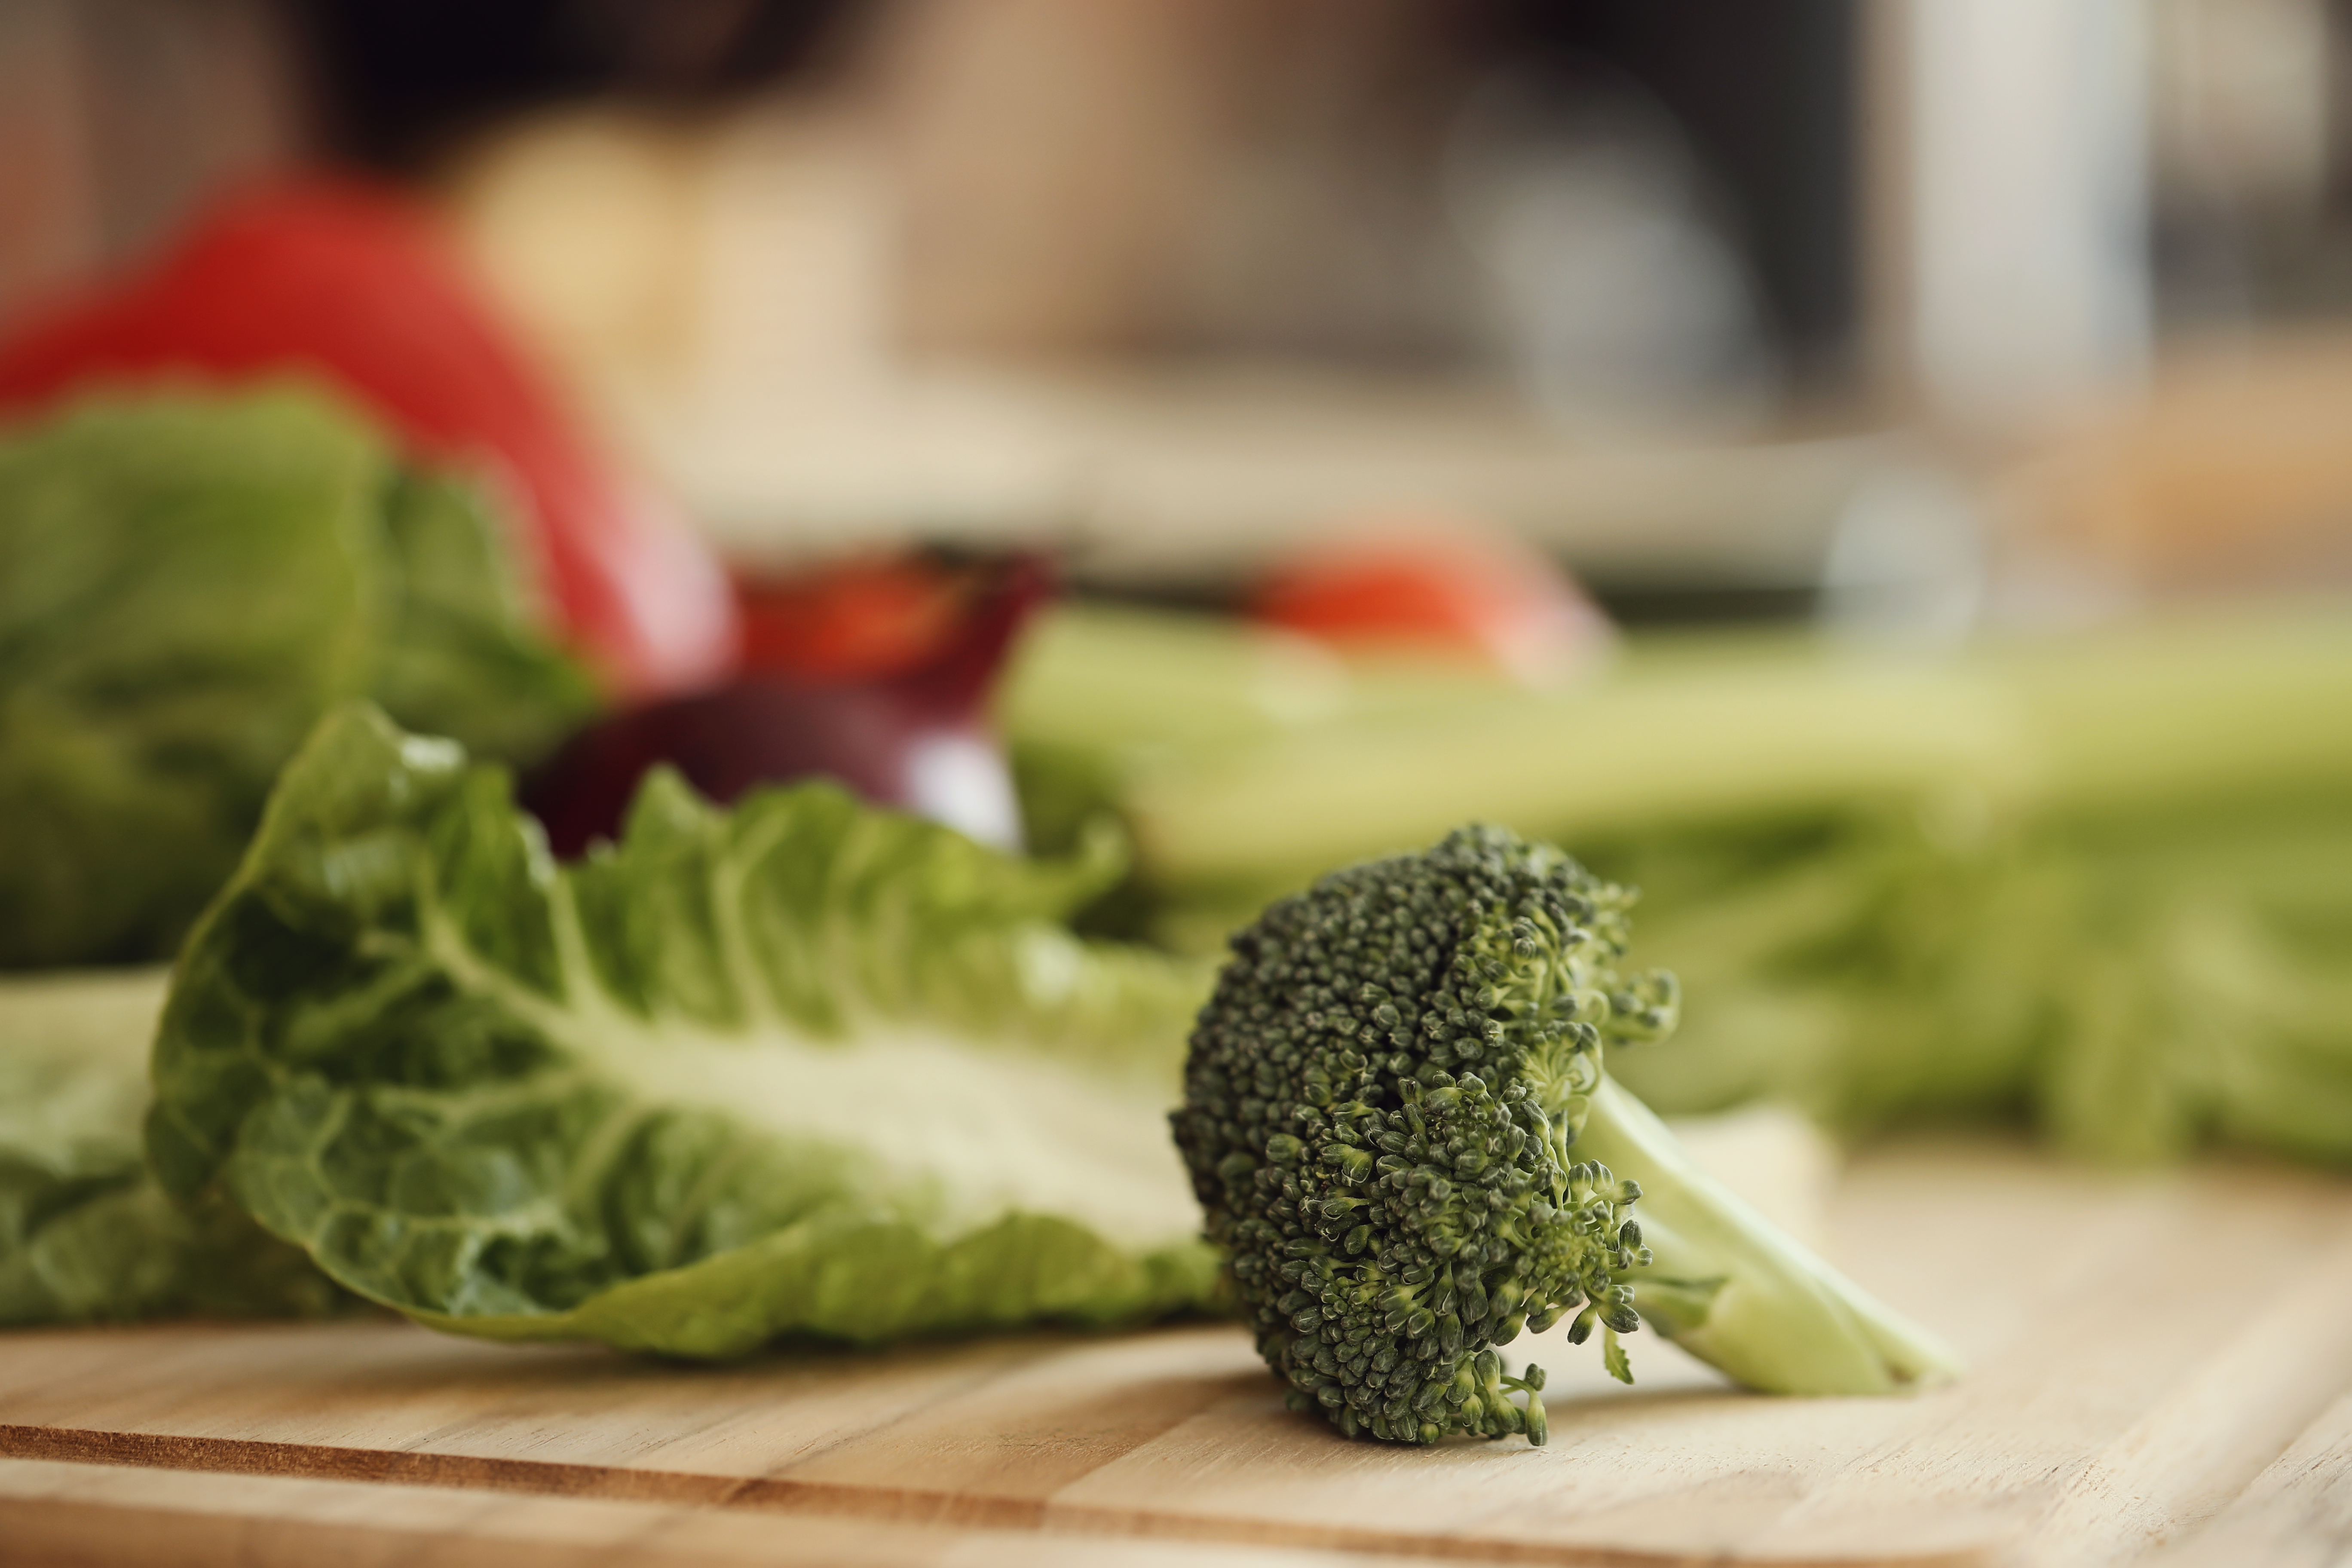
column 187, row 583
column 85, row 1233
column 800, row 1068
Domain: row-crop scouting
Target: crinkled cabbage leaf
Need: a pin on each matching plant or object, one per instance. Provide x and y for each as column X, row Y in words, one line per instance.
column 187, row 582
column 802, row 1068
column 85, row 1233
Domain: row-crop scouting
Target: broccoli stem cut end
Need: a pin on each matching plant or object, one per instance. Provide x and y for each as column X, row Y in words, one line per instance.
column 1736, row 1290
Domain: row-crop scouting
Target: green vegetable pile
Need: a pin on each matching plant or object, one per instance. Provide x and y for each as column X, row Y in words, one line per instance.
column 1397, row 1118
column 2102, row 880
column 803, row 1067
column 809, row 1069
column 188, row 582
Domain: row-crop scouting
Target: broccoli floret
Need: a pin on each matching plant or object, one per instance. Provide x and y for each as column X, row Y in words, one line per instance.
column 1380, row 1103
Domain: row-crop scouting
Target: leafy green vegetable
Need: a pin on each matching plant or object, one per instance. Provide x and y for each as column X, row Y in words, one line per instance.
column 460, row 656
column 186, row 583
column 2102, row 879
column 2141, row 989
column 1397, row 1118
column 84, row 1232
column 802, row 1068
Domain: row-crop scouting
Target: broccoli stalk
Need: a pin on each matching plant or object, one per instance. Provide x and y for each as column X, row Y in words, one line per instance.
column 1737, row 1291
column 1382, row 1100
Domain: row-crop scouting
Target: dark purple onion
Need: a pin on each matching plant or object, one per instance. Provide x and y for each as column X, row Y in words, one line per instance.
column 916, row 739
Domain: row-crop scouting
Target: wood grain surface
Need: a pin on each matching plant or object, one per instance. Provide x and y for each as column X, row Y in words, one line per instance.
column 2162, row 1374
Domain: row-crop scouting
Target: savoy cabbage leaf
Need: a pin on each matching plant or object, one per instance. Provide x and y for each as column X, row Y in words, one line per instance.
column 187, row 581
column 802, row 1068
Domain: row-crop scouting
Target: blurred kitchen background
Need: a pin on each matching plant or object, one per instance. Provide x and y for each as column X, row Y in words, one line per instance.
column 1911, row 314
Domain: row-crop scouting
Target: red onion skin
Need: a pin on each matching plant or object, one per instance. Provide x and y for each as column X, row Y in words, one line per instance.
column 916, row 739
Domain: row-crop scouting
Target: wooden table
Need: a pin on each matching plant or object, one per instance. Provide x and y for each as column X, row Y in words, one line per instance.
column 2162, row 1373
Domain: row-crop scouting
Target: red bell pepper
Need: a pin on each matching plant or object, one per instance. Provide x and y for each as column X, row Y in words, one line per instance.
column 350, row 282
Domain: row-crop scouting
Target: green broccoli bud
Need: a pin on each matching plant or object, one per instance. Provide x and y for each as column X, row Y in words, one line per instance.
column 1381, row 1100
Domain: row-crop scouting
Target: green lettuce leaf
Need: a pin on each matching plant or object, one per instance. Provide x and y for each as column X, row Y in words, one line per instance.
column 187, row 582
column 460, row 656
column 85, row 1233
column 806, row 1068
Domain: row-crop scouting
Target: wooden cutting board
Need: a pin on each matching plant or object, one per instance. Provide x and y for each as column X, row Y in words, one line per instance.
column 2162, row 1371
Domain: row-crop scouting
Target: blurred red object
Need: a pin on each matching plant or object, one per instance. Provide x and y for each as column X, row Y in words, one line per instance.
column 350, row 282
column 1436, row 587
column 875, row 673
column 856, row 619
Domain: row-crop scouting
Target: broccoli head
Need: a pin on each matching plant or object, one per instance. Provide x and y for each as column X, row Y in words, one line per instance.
column 1397, row 1120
